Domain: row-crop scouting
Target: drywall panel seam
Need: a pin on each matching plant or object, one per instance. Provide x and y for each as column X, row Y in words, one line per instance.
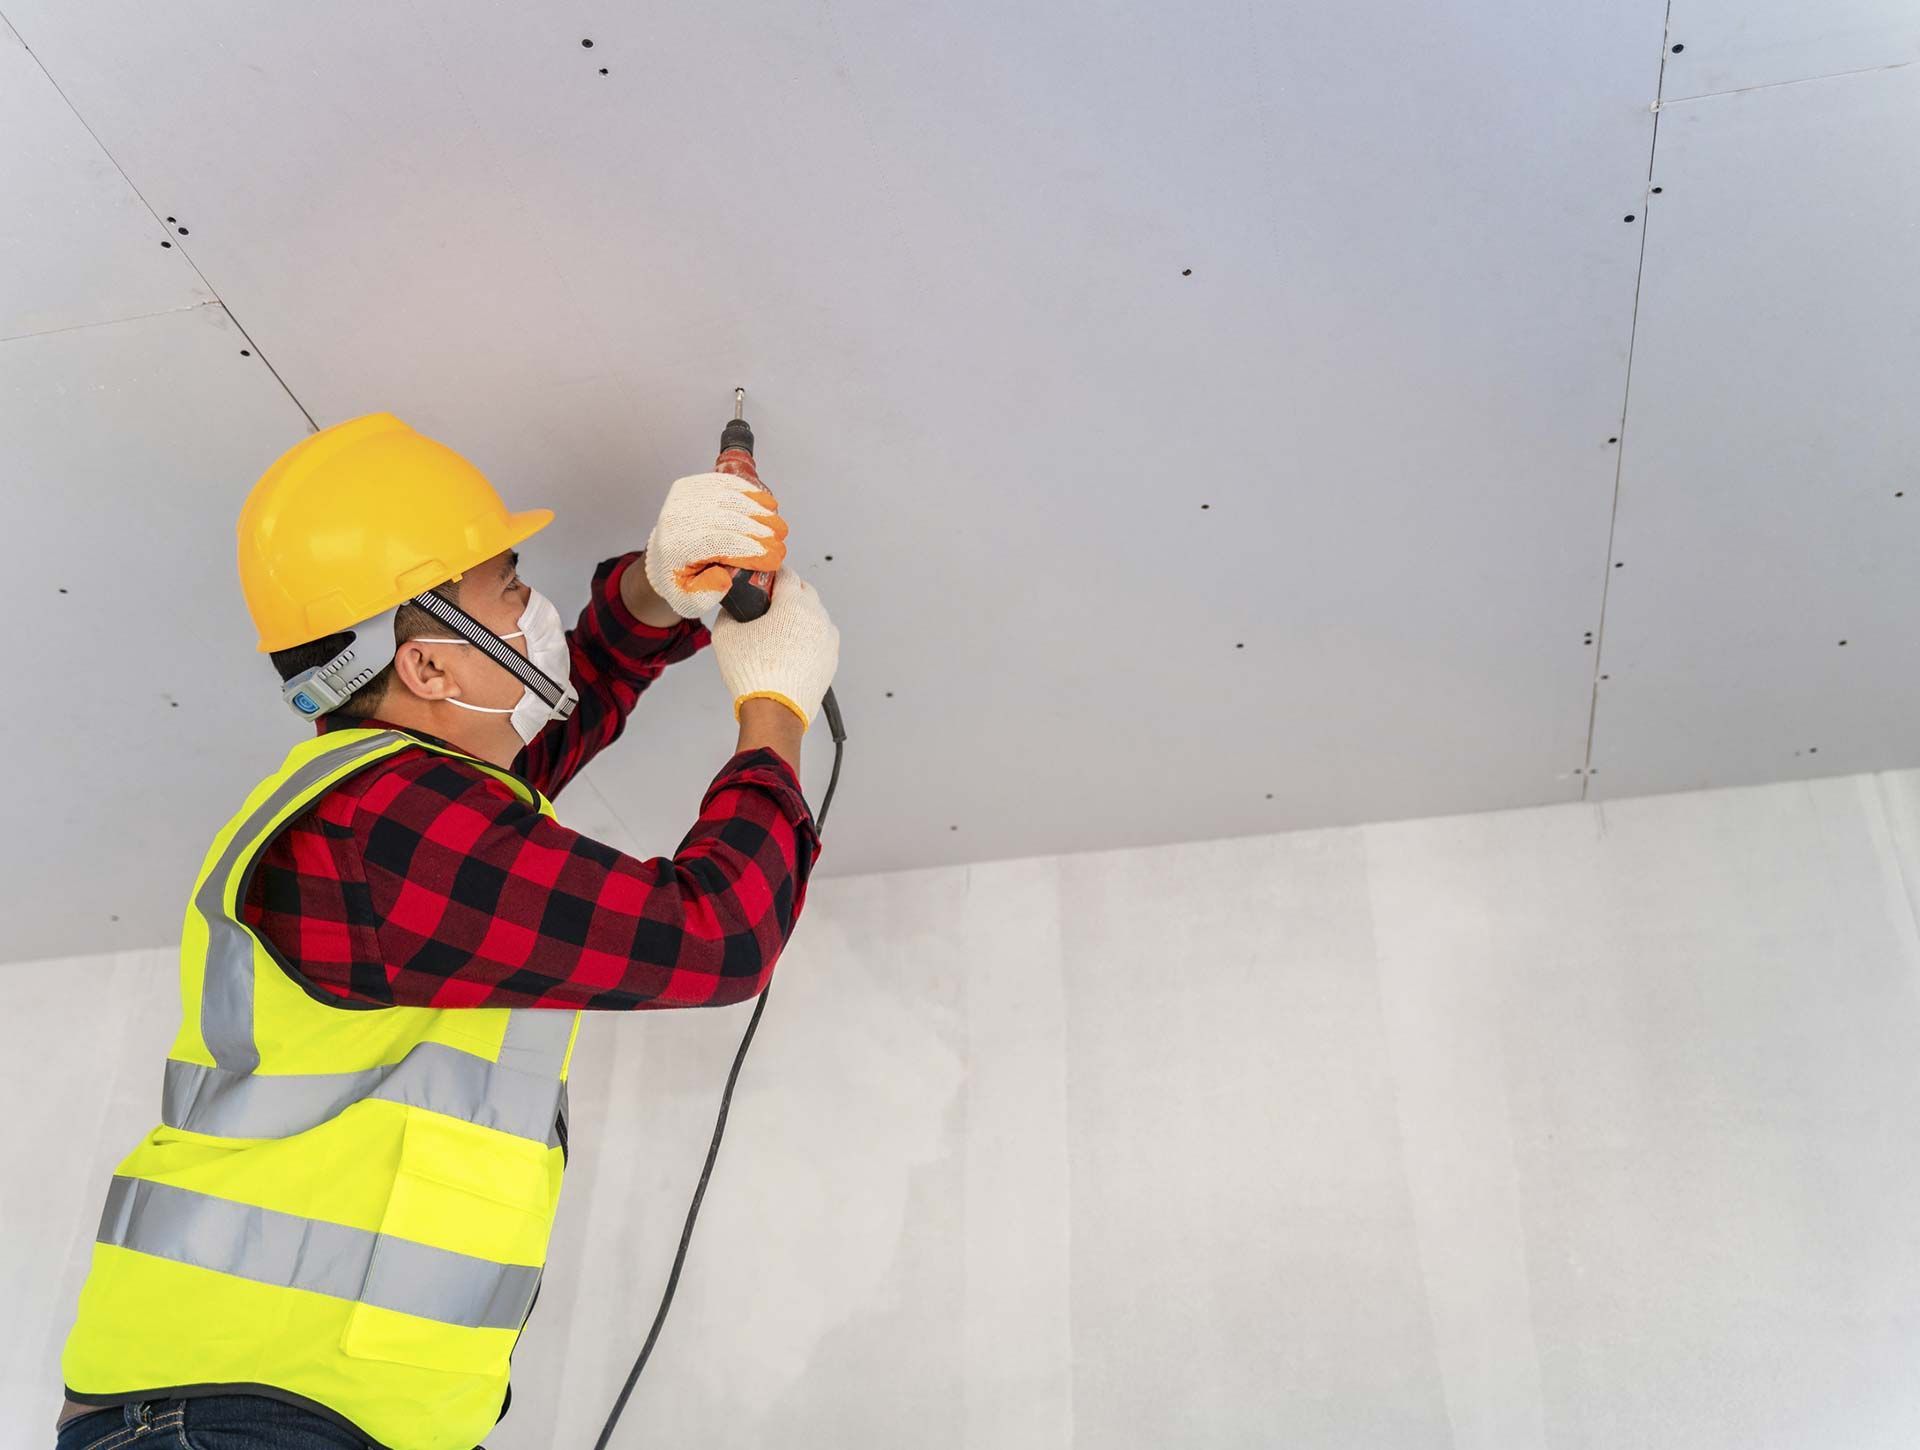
column 60, row 91
column 1865, row 70
column 110, row 321
column 1891, row 826
column 1626, row 399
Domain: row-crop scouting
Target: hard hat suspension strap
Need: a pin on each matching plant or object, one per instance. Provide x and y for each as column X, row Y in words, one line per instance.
column 312, row 693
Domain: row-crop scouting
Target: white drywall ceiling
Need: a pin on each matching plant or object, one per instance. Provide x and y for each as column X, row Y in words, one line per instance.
column 1015, row 291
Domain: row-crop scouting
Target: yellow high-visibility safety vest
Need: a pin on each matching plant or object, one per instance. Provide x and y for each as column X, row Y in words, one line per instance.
column 344, row 1206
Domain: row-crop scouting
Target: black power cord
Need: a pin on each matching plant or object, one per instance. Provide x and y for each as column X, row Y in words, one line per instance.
column 831, row 708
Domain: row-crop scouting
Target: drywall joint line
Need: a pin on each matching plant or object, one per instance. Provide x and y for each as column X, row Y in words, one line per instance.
column 111, row 321
column 155, row 214
column 1893, row 823
column 1838, row 75
column 1626, row 398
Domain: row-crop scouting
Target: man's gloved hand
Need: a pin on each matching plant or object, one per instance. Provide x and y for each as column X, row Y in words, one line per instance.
column 710, row 521
column 788, row 654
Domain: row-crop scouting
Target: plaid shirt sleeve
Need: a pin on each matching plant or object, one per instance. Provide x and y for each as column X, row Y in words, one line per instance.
column 477, row 900
column 614, row 658
column 426, row 882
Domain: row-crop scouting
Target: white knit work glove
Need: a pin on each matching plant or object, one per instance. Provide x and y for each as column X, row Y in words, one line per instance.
column 711, row 521
column 787, row 654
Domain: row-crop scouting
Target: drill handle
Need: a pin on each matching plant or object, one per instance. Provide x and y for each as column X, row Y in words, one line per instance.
column 751, row 593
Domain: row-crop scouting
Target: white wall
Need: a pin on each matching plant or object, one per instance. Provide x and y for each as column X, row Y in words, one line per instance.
column 1582, row 1126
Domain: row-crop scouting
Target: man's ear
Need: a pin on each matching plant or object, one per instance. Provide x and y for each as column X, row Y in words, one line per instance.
column 418, row 670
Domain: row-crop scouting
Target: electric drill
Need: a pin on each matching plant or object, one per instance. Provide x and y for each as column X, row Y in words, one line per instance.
column 752, row 589
column 751, row 592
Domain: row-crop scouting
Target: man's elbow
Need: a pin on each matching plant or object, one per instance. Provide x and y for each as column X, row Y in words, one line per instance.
column 747, row 970
column 733, row 990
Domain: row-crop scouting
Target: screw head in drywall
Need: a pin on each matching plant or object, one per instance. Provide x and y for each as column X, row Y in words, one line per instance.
column 166, row 244
column 1186, row 271
column 1678, row 48
column 1627, row 218
column 588, row 44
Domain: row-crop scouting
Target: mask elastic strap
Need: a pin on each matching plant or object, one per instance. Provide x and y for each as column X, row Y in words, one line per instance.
column 557, row 697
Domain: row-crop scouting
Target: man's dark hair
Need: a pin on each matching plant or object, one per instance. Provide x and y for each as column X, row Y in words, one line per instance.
column 409, row 622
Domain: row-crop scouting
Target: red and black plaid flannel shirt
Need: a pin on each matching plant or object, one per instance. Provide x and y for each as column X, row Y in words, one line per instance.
column 424, row 882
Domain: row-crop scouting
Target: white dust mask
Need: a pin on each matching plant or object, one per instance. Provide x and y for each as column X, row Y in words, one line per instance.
column 546, row 639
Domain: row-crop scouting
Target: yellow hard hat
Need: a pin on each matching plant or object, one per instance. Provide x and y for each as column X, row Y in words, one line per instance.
column 359, row 518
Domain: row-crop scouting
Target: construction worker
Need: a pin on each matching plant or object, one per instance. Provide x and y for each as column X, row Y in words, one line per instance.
column 336, row 1233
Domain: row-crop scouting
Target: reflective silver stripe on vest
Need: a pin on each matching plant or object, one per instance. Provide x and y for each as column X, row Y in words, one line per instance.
column 536, row 1041
column 226, row 990
column 433, row 1076
column 324, row 1258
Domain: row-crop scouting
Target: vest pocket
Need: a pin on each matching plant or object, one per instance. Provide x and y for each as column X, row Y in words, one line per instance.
column 461, row 1241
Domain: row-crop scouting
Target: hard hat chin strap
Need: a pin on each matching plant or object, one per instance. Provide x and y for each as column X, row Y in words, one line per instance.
column 312, row 693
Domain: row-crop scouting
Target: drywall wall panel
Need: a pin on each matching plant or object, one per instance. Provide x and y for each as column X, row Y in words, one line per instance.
column 1206, row 437
column 1763, row 618
column 1705, row 1178
column 1245, row 1265
column 1726, row 45
column 142, row 714
column 1543, row 1130
column 77, row 244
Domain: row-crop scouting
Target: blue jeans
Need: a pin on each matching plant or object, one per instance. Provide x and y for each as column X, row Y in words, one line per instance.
column 209, row 1422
